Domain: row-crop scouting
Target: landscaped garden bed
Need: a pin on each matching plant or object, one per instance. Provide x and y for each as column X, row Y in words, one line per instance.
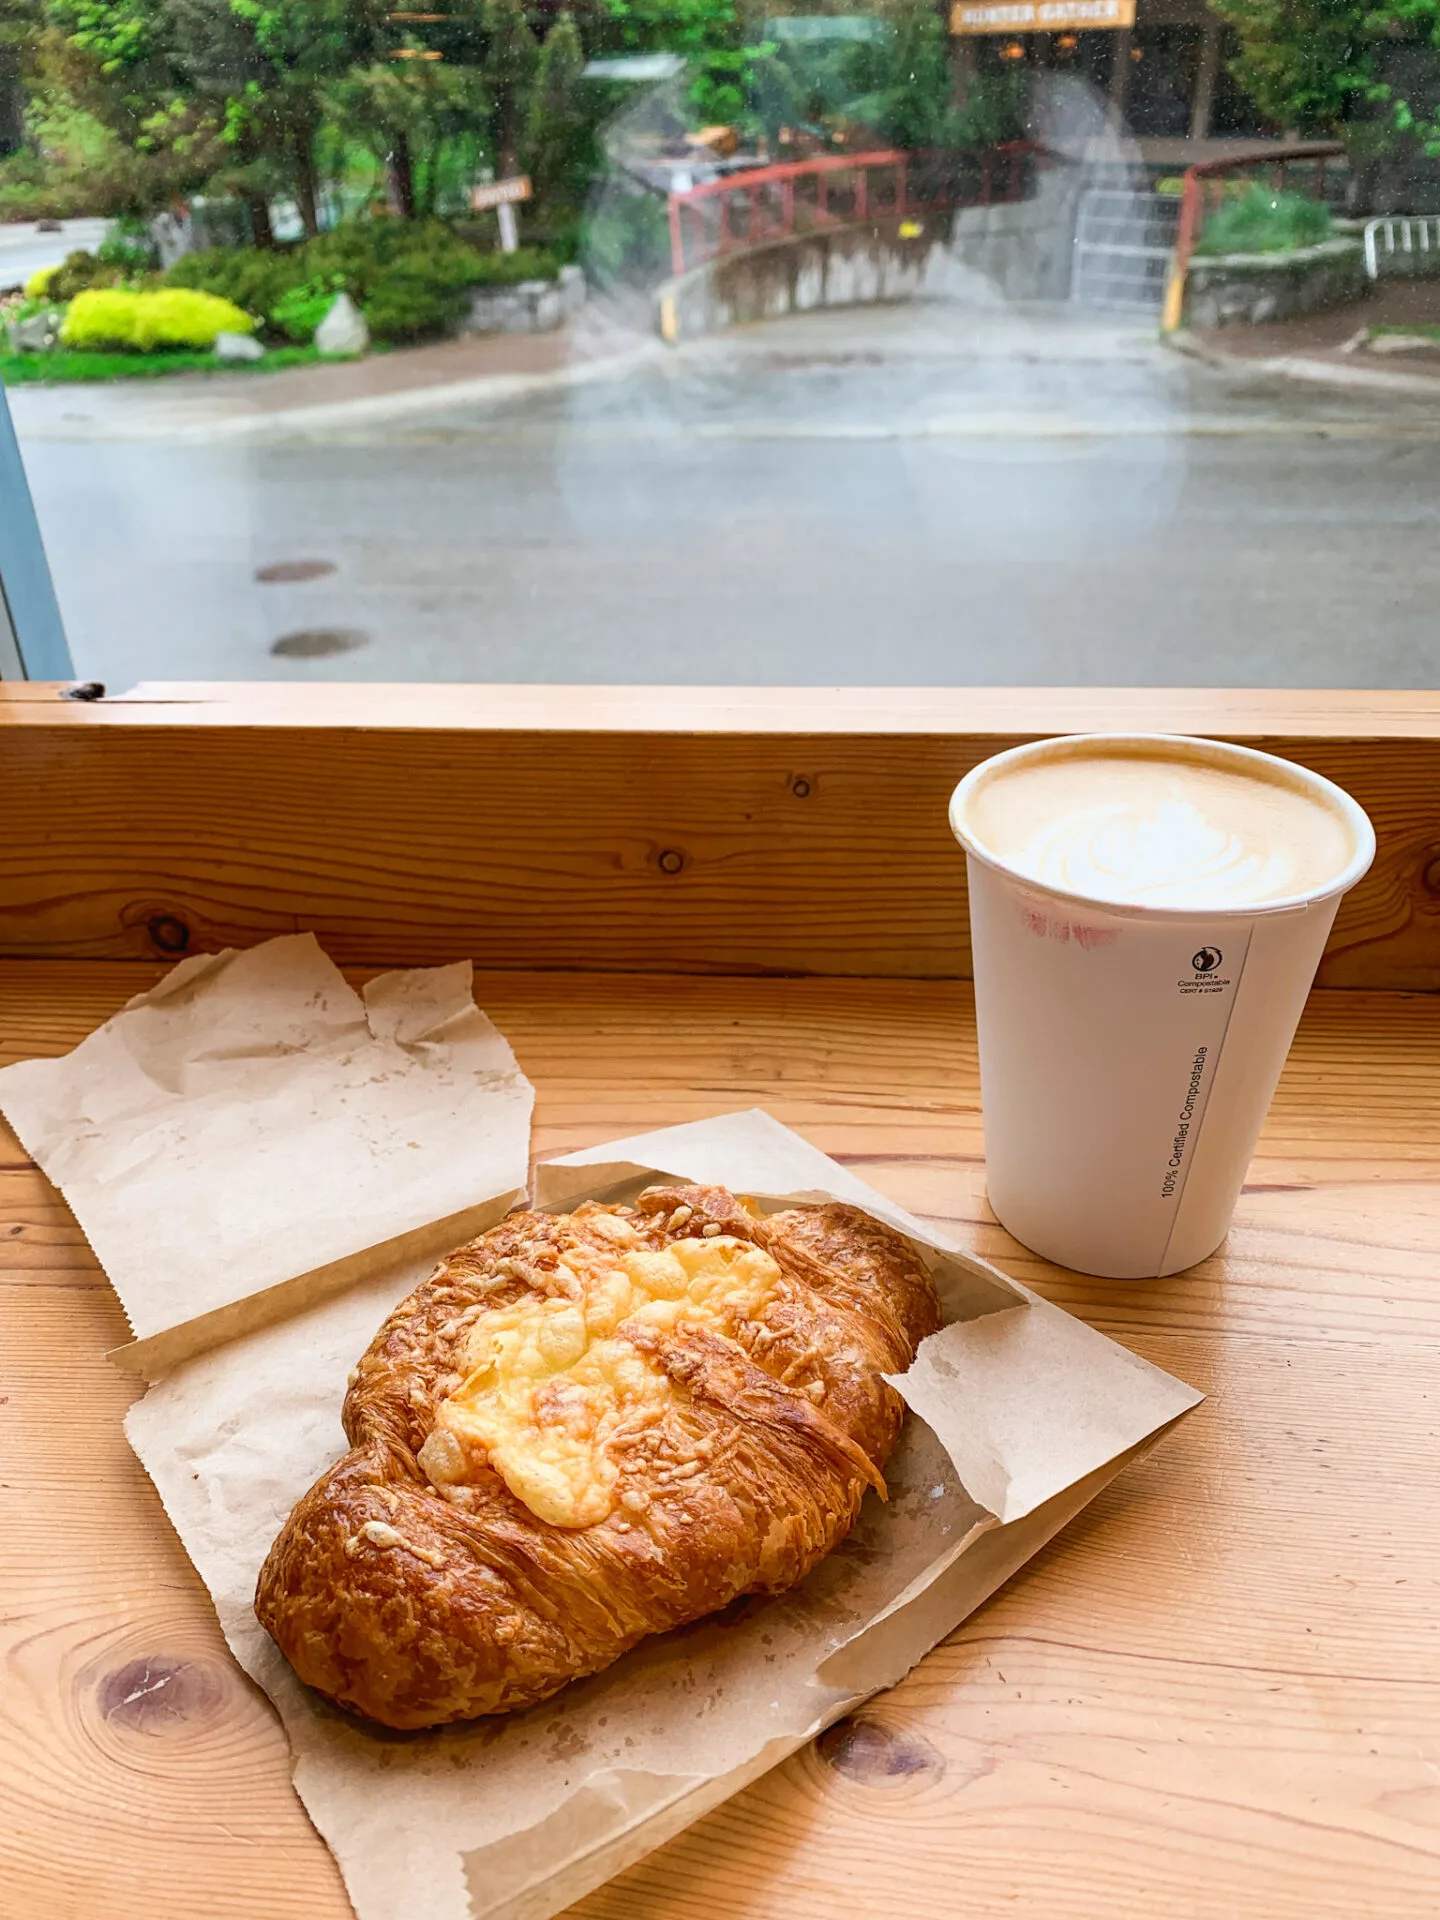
column 113, row 315
column 336, row 153
column 1270, row 256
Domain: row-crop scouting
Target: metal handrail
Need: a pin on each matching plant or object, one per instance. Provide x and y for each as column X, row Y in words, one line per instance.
column 791, row 170
column 1192, row 204
column 796, row 215
column 1426, row 225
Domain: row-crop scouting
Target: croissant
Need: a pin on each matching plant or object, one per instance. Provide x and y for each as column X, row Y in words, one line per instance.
column 589, row 1427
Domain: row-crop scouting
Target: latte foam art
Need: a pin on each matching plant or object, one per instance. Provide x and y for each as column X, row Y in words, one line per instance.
column 1144, row 830
column 1166, row 857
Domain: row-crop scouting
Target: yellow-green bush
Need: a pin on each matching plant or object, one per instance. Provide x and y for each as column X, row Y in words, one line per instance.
column 38, row 285
column 103, row 317
column 109, row 317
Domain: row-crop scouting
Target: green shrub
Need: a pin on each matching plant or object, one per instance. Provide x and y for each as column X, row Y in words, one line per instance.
column 409, row 306
column 128, row 246
column 77, row 272
column 409, row 278
column 626, row 239
column 110, row 317
column 509, row 269
column 543, row 257
column 299, row 312
column 361, row 249
column 254, row 278
column 558, row 240
column 1263, row 221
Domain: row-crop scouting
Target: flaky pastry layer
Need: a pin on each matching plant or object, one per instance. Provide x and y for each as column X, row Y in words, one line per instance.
column 585, row 1428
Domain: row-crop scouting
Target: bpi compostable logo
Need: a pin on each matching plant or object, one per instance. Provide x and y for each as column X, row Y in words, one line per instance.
column 1206, row 976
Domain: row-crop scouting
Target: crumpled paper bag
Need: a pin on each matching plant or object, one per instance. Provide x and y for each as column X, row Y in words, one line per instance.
column 252, row 1132
column 1026, row 1414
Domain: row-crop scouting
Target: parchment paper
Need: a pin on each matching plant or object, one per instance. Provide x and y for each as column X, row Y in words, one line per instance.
column 253, row 1124
column 514, row 1818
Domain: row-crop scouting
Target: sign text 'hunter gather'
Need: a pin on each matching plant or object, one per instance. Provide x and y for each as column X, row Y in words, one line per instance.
column 1038, row 16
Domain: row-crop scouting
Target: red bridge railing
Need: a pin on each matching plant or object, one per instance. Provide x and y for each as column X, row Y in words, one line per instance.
column 1204, row 190
column 765, row 204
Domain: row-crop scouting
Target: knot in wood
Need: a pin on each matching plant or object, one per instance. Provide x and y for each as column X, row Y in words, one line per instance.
column 159, row 1694
column 169, row 932
column 876, row 1754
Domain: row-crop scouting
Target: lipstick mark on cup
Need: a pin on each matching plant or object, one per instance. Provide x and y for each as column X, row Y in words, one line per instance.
column 1045, row 926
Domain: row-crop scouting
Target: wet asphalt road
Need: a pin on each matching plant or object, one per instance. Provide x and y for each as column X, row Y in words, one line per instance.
column 914, row 496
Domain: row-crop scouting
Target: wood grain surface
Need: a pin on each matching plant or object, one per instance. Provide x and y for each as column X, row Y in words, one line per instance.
column 1215, row 1696
column 669, row 845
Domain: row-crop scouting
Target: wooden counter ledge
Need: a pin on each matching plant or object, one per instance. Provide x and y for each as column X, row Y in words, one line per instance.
column 1215, row 1696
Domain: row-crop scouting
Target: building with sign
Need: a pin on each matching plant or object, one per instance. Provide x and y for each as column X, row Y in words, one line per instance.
column 1163, row 64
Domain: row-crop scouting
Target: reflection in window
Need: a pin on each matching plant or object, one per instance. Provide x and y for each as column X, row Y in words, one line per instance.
column 706, row 341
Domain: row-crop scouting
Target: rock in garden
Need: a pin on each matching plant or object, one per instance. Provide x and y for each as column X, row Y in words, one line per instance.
column 343, row 330
column 1403, row 343
column 37, row 334
column 237, row 346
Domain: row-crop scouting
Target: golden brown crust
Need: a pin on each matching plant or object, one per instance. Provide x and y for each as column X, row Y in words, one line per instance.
column 417, row 1604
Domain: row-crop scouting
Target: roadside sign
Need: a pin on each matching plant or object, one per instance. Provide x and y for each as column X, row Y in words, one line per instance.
column 1039, row 16
column 821, row 26
column 635, row 67
column 500, row 193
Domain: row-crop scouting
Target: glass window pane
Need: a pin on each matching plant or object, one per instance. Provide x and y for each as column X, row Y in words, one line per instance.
column 705, row 341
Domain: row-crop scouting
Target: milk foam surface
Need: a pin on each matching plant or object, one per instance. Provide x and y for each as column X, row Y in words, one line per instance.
column 1160, row 829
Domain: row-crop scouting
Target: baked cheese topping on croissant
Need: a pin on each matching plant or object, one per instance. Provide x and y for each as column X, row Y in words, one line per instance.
column 589, row 1427
column 557, row 1387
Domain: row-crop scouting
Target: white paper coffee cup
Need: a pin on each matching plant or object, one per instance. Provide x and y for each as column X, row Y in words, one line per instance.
column 1128, row 1054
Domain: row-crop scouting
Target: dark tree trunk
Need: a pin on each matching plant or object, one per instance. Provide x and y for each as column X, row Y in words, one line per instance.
column 12, row 105
column 507, row 134
column 962, row 70
column 400, row 178
column 261, row 232
column 306, row 187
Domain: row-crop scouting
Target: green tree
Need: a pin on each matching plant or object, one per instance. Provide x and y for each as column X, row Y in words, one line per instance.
column 213, row 86
column 1320, row 66
column 430, row 97
column 416, row 95
column 272, row 75
column 113, row 109
column 902, row 87
column 512, row 58
column 710, row 33
column 908, row 100
column 694, row 27
column 559, row 141
column 412, row 116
